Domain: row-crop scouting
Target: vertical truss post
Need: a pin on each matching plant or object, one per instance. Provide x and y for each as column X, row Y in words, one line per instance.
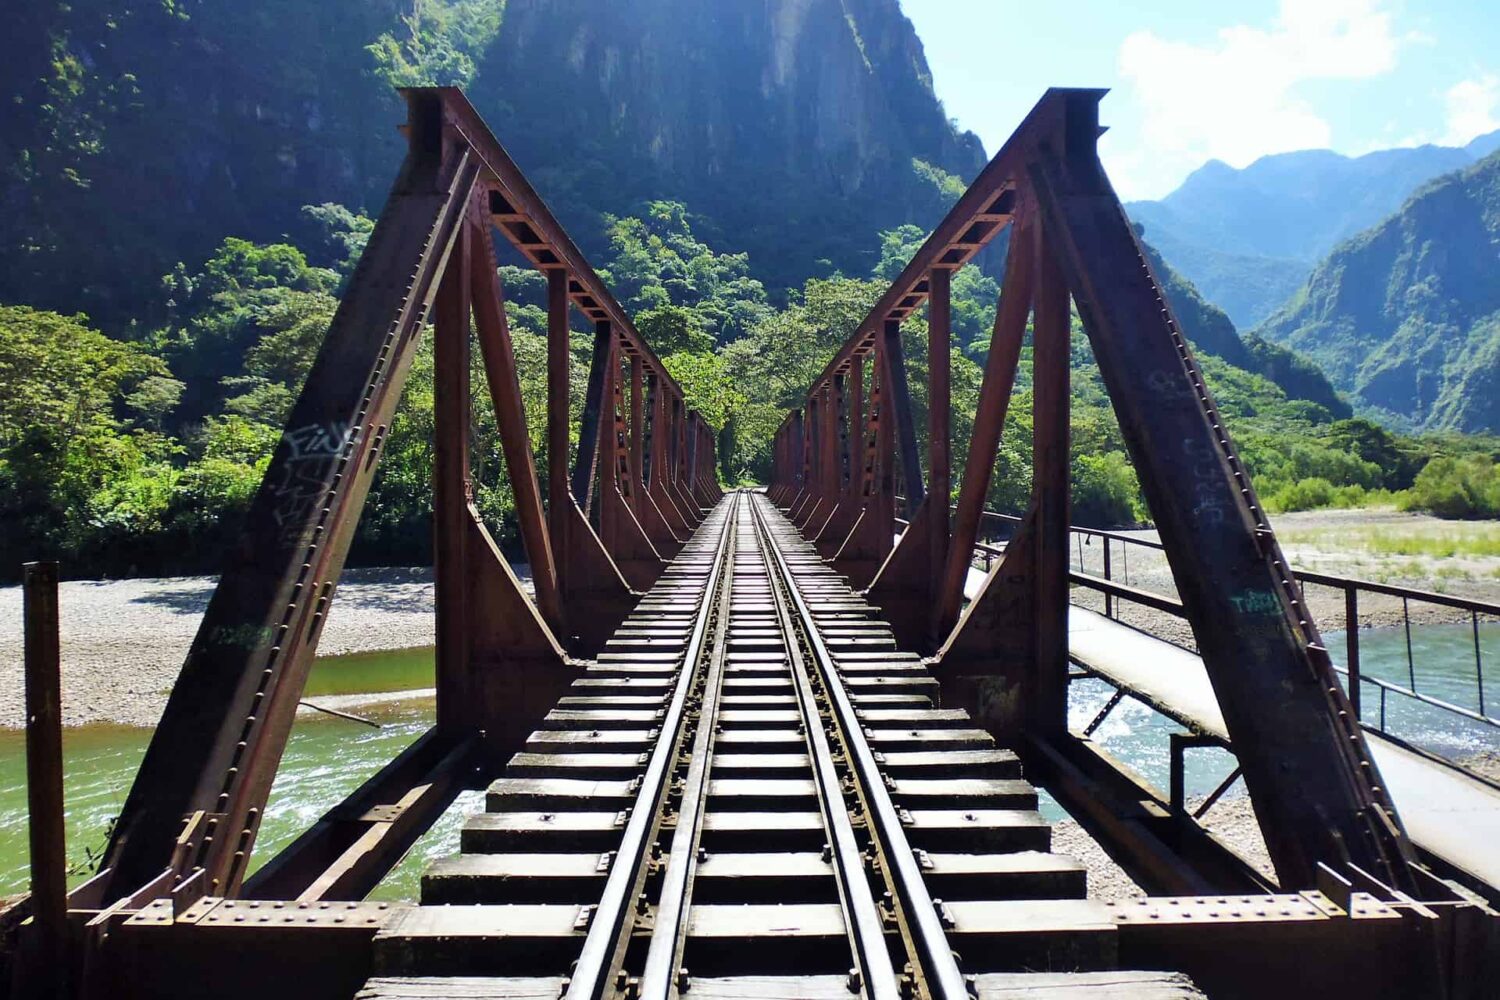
column 452, row 490
column 885, row 450
column 703, row 481
column 792, row 460
column 619, row 529
column 661, row 460
column 665, row 532
column 939, row 430
column 835, row 532
column 905, row 426
column 678, row 481
column 832, row 478
column 812, row 461
column 559, row 361
column 870, row 539
column 637, row 433
column 797, row 447
column 780, row 473
column 904, row 587
column 595, row 594
column 585, row 467
column 825, row 447
column 1047, row 712
column 854, row 430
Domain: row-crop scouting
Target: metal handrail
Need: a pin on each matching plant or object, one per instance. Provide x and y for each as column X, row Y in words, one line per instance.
column 1351, row 586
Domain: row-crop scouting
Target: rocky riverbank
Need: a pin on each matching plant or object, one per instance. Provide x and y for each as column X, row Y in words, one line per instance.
column 1232, row 820
column 123, row 641
column 1380, row 546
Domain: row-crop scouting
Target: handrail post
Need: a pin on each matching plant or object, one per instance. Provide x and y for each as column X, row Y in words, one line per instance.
column 1109, row 599
column 44, row 775
column 1478, row 660
column 1351, row 646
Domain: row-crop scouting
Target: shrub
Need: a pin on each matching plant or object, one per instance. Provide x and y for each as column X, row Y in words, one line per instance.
column 1316, row 492
column 1106, row 493
column 1466, row 487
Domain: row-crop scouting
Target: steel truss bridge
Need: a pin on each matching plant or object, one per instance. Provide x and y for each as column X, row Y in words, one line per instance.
column 760, row 744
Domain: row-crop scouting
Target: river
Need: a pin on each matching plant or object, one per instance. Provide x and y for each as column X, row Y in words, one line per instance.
column 327, row 758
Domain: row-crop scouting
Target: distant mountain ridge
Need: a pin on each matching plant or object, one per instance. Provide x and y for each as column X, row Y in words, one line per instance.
column 1249, row 238
column 1405, row 316
column 1212, row 332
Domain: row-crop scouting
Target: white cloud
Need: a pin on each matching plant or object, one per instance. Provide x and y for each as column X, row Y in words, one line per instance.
column 1472, row 109
column 1235, row 98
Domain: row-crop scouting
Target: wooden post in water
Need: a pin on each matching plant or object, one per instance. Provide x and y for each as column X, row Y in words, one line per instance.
column 44, row 778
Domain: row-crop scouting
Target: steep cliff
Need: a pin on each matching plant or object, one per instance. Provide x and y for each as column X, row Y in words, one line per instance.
column 144, row 131
column 150, row 129
column 791, row 126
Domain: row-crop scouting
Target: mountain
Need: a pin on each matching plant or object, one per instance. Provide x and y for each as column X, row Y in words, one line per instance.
column 142, row 132
column 1405, row 317
column 1249, row 238
column 798, row 128
column 1211, row 331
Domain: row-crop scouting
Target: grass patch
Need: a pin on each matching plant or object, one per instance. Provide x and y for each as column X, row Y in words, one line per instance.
column 1483, row 540
column 1419, row 539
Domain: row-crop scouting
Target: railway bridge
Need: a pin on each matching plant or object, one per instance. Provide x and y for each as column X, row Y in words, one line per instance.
column 772, row 743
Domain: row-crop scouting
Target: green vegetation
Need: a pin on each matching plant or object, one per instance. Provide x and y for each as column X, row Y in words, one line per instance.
column 176, row 138
column 1413, row 539
column 140, row 455
column 1466, row 487
column 440, row 42
column 1405, row 317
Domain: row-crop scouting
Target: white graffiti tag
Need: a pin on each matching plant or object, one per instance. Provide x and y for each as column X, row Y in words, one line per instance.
column 307, row 470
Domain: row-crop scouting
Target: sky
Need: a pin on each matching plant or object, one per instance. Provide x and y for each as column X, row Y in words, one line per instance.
column 1195, row 80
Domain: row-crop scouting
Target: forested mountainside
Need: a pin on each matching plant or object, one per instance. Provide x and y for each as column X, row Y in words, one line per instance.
column 1213, row 332
column 144, row 131
column 1249, row 238
column 1405, row 317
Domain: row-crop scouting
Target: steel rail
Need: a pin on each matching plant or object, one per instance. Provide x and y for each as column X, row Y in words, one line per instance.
column 915, row 907
column 863, row 921
column 669, row 934
column 607, row 934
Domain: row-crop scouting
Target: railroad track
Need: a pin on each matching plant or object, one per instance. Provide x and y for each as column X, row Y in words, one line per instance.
column 751, row 793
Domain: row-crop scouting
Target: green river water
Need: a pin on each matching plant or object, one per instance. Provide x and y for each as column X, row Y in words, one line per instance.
column 327, row 757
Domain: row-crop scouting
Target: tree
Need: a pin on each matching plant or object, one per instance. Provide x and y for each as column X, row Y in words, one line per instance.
column 656, row 261
column 72, row 465
column 242, row 293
